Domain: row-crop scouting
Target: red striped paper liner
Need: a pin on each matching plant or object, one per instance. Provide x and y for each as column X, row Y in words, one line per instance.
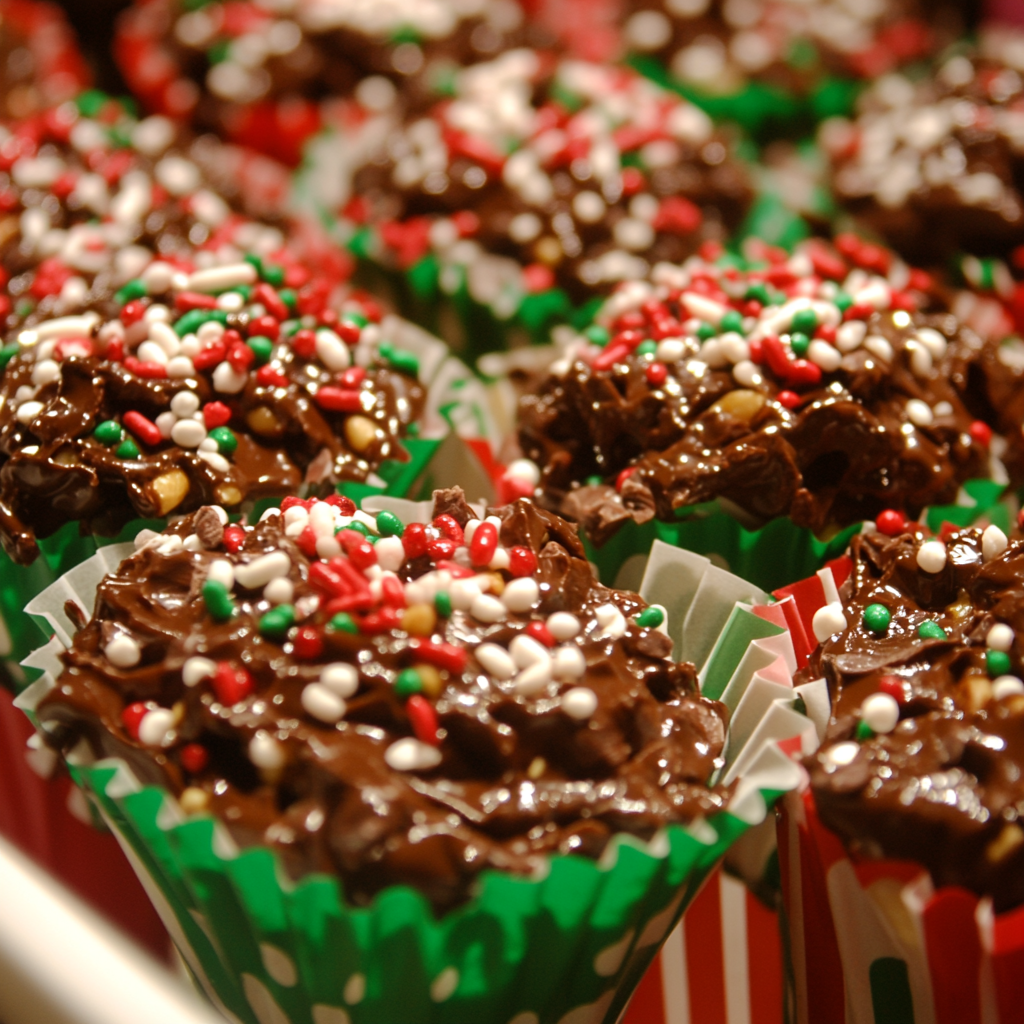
column 721, row 965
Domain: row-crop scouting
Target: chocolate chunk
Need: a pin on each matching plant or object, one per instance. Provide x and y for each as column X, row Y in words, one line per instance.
column 209, row 529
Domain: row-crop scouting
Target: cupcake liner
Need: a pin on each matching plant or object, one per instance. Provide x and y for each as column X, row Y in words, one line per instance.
column 902, row 950
column 568, row 947
column 456, row 417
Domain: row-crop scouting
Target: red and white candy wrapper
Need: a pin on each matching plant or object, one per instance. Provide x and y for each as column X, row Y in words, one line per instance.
column 721, row 965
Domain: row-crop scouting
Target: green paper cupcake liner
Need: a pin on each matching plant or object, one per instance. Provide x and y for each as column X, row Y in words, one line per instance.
column 565, row 948
column 456, row 410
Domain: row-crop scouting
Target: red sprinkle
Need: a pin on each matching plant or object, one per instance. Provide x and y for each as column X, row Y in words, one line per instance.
column 194, row 757
column 307, row 542
column 895, row 687
column 304, row 343
column 414, row 540
column 611, row 355
column 185, row 301
column 362, row 555
column 234, row 538
column 141, row 369
column 264, row 326
column 290, row 501
column 423, row 719
column 216, row 414
column 891, row 522
column 804, row 373
column 441, row 655
column 308, row 643
column 352, row 377
column 540, row 632
column 349, row 332
column 392, row 592
column 657, row 374
column 210, row 356
column 458, row 572
column 133, row 312
column 241, row 357
column 231, row 684
column 788, row 399
column 382, row 621
column 521, row 561
column 774, row 353
column 338, row 400
column 441, row 548
column 449, row 527
column 132, row 717
column 145, row 430
column 623, row 477
column 981, row 432
column 484, row 544
column 339, row 501
column 271, row 377
column 268, row 297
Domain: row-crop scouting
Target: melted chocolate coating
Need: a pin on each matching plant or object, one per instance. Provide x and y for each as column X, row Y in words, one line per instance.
column 945, row 787
column 840, row 450
column 517, row 778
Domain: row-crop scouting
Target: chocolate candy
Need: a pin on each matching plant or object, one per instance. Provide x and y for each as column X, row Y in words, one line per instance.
column 374, row 708
column 922, row 758
column 934, row 166
column 271, row 75
column 542, row 175
column 810, row 386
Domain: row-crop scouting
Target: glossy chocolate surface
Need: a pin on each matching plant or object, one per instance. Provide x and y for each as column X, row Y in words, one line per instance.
column 504, row 769
column 944, row 788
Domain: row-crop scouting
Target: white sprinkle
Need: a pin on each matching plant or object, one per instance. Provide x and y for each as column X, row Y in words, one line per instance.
column 747, row 374
column 933, row 341
column 827, row 620
column 156, row 728
column 185, row 403
column 879, row 347
column 193, row 543
column 501, row 559
column 521, row 594
column 164, row 335
column 195, row 670
column 842, row 753
column 220, row 279
column 279, row 591
column 188, row 433
column 227, row 380
column 588, row 207
column 496, row 660
column 487, row 608
column 568, row 662
column 851, row 335
column 180, row 367
column 920, row 358
column 165, row 423
column 880, row 712
column 265, row 752
column 1006, row 686
column 157, row 277
column 993, row 542
column 919, row 413
column 611, row 621
column 259, row 572
column 322, row 703
column 670, row 350
column 534, row 679
column 45, row 371
column 563, row 625
column 221, row 571
column 151, row 352
column 340, row 677
column 526, row 651
column 123, row 651
column 931, row 556
column 462, row 593
column 579, row 702
column 327, row 547
column 390, row 553
column 525, row 470
column 827, row 356
column 28, row 411
column 215, row 461
column 331, row 350
column 412, row 755
column 1000, row 637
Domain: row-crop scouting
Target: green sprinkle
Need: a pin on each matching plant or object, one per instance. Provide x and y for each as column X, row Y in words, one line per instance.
column 413, row 430
column 273, row 274
column 277, row 621
column 134, row 289
column 650, row 617
column 24, row 307
column 443, row 604
column 399, row 359
column 647, row 348
column 226, row 440
column 91, row 102
column 254, row 260
column 218, row 601
column 931, row 631
column 842, row 301
column 359, row 527
column 863, row 732
column 353, row 316
column 597, row 335
column 594, row 481
column 195, row 318
column 289, row 298
column 219, row 52
column 408, row 682
column 128, row 449
column 877, row 618
column 108, row 432
column 799, row 343
column 706, row 331
column 389, row 524
column 987, row 277
column 344, row 622
column 7, row 353
column 732, row 321
column 759, row 293
column 805, row 321
column 262, row 348
column 800, row 705
column 997, row 663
